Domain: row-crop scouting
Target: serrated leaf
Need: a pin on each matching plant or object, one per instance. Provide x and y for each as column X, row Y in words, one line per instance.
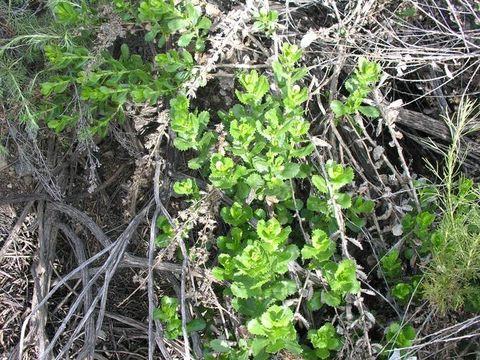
column 308, row 252
column 344, row 200
column 320, row 183
column 255, row 181
column 291, row 170
column 239, row 290
column 330, row 298
column 185, row 39
column 282, row 289
column 255, row 327
column 204, row 23
column 369, row 111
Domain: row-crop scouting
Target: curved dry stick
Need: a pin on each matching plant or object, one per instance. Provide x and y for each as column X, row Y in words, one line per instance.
column 79, row 249
column 85, row 220
column 151, row 293
column 53, row 291
column 108, row 269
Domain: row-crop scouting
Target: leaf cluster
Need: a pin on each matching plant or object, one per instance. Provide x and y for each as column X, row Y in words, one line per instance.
column 359, row 85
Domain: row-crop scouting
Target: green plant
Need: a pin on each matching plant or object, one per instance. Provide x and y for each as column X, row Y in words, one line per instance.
column 452, row 276
column 359, row 85
column 266, row 132
column 162, row 19
column 324, row 340
column 187, row 187
column 258, row 164
column 392, row 265
column 402, row 291
column 266, row 21
column 166, row 232
column 342, row 280
column 400, row 335
column 330, row 189
column 256, row 269
column 236, row 214
column 167, row 314
column 321, row 250
column 82, row 83
column 189, row 127
column 274, row 331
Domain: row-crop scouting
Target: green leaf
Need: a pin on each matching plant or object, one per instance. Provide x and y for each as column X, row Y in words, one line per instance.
column 331, row 298
column 177, row 24
column 345, row 279
column 402, row 291
column 291, row 170
column 315, row 303
column 220, row 346
column 162, row 241
column 320, row 183
column 255, row 327
column 196, row 325
column 66, row 13
column 344, row 200
column 272, row 234
column 338, row 174
column 308, row 252
column 255, row 181
column 303, row 151
column 363, row 206
column 401, row 336
column 204, row 23
column 325, row 339
column 369, row 111
column 185, row 39
column 185, row 187
column 257, row 347
column 322, row 248
column 237, row 214
column 338, row 108
column 282, row 289
column 239, row 290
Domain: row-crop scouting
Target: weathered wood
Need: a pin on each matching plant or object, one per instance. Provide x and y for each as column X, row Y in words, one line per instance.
column 436, row 128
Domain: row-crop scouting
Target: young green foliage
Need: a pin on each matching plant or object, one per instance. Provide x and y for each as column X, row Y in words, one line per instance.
column 402, row 292
column 167, row 314
column 187, row 187
column 391, row 265
column 274, row 331
column 164, row 18
column 359, row 85
column 101, row 83
column 321, row 250
column 266, row 132
column 329, row 190
column 400, row 335
column 236, row 214
column 165, row 234
column 452, row 277
column 256, row 263
column 266, row 21
column 325, row 340
column 342, row 280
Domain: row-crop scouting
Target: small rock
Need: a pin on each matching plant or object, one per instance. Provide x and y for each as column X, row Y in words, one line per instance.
column 28, row 180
